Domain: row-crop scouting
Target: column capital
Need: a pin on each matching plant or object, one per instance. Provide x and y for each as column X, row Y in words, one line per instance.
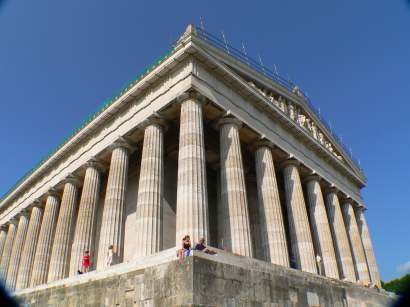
column 52, row 192
column 95, row 164
column 121, row 142
column 312, row 177
column 155, row 120
column 13, row 221
column 72, row 179
column 36, row 203
column 24, row 212
column 262, row 142
column 229, row 120
column 347, row 200
column 361, row 207
column 331, row 189
column 289, row 161
column 192, row 94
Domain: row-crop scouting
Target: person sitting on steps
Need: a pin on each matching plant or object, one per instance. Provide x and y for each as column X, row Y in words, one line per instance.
column 200, row 246
column 185, row 247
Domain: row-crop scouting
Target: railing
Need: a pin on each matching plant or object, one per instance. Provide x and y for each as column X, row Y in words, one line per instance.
column 288, row 84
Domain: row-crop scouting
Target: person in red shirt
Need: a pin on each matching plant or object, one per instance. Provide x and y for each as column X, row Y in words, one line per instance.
column 86, row 261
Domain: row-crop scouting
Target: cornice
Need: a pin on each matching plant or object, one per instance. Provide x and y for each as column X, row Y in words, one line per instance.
column 128, row 93
column 352, row 171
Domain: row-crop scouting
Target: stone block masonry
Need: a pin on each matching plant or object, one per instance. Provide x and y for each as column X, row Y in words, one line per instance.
column 201, row 280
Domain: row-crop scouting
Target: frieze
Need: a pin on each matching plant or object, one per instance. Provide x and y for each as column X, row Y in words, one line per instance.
column 297, row 115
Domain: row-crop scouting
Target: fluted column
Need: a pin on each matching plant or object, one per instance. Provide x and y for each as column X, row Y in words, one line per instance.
column 29, row 249
column 86, row 220
column 320, row 227
column 368, row 246
column 192, row 198
column 270, row 211
column 16, row 251
column 150, row 191
column 8, row 246
column 359, row 257
column 45, row 240
column 341, row 242
column 237, row 236
column 112, row 225
column 3, row 237
column 59, row 264
column 301, row 239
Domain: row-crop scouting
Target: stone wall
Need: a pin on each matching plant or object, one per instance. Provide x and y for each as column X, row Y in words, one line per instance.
column 201, row 280
column 239, row 281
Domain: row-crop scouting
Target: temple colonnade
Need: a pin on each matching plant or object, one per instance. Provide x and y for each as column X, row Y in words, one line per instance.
column 317, row 229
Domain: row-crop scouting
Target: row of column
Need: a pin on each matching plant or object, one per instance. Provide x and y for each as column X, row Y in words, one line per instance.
column 346, row 261
column 36, row 249
column 40, row 251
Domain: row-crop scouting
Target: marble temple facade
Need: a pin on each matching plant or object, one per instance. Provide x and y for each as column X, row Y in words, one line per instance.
column 173, row 155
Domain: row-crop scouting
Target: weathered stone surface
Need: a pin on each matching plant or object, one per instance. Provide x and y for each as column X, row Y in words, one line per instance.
column 202, row 280
column 16, row 251
column 29, row 249
column 299, row 229
column 86, row 221
column 3, row 237
column 112, row 225
column 355, row 240
column 150, row 198
column 59, row 261
column 192, row 197
column 8, row 246
column 320, row 228
column 234, row 205
column 337, row 227
column 45, row 240
column 368, row 246
column 270, row 212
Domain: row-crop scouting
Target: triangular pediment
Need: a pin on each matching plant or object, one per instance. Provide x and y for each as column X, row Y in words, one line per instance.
column 286, row 98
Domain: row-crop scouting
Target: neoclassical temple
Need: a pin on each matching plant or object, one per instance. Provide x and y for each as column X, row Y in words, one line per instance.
column 205, row 143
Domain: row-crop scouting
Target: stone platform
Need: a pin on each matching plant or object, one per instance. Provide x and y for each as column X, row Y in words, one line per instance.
column 201, row 280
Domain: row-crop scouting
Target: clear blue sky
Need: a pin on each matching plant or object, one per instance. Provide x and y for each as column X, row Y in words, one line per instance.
column 60, row 60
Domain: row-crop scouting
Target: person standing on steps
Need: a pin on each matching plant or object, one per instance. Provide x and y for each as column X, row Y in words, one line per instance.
column 86, row 262
column 110, row 256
